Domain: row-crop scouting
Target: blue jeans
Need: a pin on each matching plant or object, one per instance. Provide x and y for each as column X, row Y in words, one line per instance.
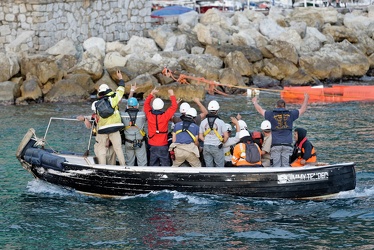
column 213, row 156
column 159, row 156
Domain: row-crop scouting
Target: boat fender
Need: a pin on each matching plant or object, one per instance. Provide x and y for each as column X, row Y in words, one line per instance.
column 39, row 157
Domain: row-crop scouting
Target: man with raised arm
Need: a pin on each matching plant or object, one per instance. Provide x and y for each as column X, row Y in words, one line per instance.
column 281, row 121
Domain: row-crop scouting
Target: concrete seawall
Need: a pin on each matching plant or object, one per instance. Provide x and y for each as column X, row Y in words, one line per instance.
column 36, row 25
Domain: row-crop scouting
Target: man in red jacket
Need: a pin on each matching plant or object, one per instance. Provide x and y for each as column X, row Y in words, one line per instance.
column 158, row 125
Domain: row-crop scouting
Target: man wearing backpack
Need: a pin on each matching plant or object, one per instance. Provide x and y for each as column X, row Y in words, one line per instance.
column 213, row 133
column 108, row 127
column 246, row 152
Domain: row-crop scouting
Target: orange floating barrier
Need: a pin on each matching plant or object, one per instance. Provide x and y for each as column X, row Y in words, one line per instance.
column 335, row 93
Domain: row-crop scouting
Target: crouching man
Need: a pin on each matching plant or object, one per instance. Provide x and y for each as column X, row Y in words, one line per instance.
column 185, row 141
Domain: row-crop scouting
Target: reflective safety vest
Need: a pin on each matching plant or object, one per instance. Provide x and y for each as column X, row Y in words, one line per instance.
column 239, row 156
column 133, row 116
column 211, row 118
column 297, row 162
column 186, row 125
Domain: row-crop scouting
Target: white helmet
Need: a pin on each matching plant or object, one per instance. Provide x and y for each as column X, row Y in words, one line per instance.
column 242, row 125
column 103, row 88
column 243, row 133
column 213, row 105
column 191, row 112
column 184, row 107
column 228, row 127
column 157, row 104
column 266, row 125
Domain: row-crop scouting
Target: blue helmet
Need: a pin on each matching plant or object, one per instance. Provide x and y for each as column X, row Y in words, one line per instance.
column 132, row 102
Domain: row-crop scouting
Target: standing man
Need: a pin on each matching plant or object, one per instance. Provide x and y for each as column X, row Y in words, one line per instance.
column 158, row 126
column 266, row 144
column 108, row 128
column 214, row 134
column 281, row 121
column 134, row 121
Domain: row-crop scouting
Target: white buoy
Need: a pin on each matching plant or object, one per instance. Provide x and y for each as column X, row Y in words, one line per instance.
column 253, row 92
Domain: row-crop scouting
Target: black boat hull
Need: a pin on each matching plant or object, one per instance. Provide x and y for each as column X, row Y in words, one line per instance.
column 83, row 175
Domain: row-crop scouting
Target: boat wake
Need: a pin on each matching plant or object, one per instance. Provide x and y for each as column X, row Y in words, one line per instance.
column 40, row 187
column 356, row 193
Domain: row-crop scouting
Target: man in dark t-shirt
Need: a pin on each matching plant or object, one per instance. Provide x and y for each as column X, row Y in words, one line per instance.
column 281, row 121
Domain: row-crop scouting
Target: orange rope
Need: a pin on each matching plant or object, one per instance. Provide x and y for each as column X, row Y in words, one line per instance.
column 212, row 85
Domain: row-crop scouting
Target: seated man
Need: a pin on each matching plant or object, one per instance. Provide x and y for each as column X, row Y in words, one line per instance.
column 303, row 152
column 246, row 152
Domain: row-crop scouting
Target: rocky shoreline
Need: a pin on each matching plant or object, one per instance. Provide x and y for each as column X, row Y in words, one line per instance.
column 300, row 46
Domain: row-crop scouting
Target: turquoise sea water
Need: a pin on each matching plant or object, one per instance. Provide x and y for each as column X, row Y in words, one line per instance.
column 36, row 215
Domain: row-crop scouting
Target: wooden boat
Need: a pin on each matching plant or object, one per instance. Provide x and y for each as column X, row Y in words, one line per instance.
column 81, row 173
column 335, row 93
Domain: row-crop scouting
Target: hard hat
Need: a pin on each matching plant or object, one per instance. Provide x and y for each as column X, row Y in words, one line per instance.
column 93, row 106
column 243, row 133
column 103, row 88
column 242, row 125
column 191, row 112
column 266, row 125
column 213, row 105
column 184, row 107
column 157, row 104
column 132, row 102
column 228, row 127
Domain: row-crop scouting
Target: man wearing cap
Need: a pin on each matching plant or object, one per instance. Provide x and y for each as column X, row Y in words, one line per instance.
column 158, row 126
column 186, row 141
column 266, row 144
column 213, row 133
column 281, row 121
column 108, row 128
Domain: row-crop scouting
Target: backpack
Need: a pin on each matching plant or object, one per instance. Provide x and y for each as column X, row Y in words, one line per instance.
column 252, row 154
column 104, row 108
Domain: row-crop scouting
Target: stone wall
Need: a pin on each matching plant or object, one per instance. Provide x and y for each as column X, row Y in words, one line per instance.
column 36, row 25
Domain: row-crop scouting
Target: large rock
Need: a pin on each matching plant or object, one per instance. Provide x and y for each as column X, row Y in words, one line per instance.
column 167, row 39
column 236, row 60
column 140, row 45
column 8, row 90
column 231, row 80
column 278, row 68
column 42, row 66
column 95, row 42
column 283, row 50
column 8, row 66
column 186, row 92
column 334, row 61
column 205, row 65
column 30, row 90
column 91, row 63
column 216, row 17
column 63, row 47
column 114, row 59
column 359, row 21
column 67, row 91
column 190, row 18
